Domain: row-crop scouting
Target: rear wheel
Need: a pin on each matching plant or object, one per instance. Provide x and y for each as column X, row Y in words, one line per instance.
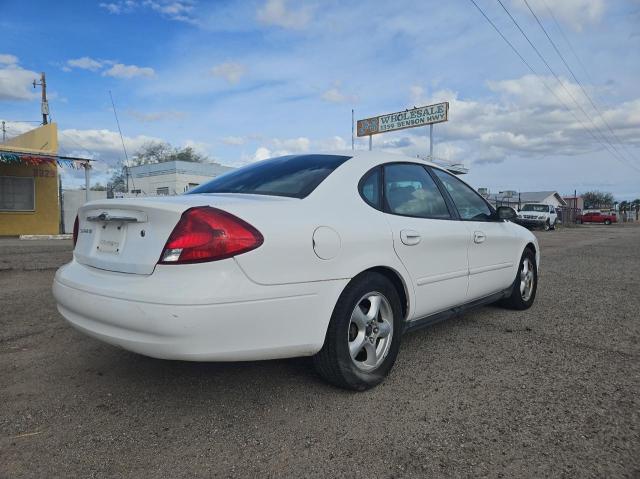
column 364, row 333
column 607, row 222
column 525, row 284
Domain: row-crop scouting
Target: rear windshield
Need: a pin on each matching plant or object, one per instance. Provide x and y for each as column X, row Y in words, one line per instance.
column 539, row 208
column 295, row 176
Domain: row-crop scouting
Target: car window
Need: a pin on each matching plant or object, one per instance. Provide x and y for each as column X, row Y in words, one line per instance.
column 295, row 176
column 537, row 208
column 370, row 188
column 470, row 204
column 410, row 191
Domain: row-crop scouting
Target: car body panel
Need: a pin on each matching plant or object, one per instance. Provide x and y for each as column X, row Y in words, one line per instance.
column 276, row 300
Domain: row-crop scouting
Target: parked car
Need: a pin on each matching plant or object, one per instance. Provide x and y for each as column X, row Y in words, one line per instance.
column 597, row 217
column 533, row 215
column 330, row 256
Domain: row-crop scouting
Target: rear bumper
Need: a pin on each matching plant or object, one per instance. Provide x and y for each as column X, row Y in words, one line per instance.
column 181, row 319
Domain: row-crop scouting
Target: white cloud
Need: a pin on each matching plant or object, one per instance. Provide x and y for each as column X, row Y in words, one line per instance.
column 85, row 63
column 179, row 10
column 157, row 115
column 575, row 13
column 16, row 83
column 525, row 120
column 289, row 146
column 128, row 71
column 232, row 72
column 262, row 153
column 234, row 140
column 278, row 13
column 335, row 95
column 6, row 59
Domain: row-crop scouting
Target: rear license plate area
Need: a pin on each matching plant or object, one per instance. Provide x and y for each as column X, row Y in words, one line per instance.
column 110, row 238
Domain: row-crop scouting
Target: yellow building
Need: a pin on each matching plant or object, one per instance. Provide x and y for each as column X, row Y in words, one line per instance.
column 29, row 201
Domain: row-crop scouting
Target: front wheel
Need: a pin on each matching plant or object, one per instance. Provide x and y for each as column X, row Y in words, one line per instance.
column 525, row 284
column 363, row 338
column 607, row 222
column 547, row 225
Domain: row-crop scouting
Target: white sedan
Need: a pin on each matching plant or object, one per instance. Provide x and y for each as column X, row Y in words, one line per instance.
column 330, row 256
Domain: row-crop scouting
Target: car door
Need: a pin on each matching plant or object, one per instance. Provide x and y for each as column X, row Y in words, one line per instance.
column 493, row 247
column 427, row 237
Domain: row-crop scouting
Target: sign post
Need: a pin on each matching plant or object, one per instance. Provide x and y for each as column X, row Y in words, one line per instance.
column 415, row 117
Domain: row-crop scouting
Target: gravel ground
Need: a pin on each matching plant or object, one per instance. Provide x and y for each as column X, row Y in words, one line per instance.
column 550, row 392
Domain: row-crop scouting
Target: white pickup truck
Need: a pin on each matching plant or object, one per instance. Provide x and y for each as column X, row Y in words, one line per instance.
column 537, row 215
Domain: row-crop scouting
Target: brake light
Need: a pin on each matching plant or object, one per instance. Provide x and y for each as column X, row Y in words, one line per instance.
column 76, row 226
column 209, row 234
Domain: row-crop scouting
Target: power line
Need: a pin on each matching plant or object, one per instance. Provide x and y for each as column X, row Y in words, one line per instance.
column 620, row 157
column 555, row 47
column 124, row 148
column 561, row 102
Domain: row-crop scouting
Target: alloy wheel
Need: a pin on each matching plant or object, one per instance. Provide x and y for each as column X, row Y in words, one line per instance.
column 527, row 279
column 370, row 331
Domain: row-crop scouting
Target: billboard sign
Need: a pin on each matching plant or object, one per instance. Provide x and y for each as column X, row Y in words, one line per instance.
column 422, row 116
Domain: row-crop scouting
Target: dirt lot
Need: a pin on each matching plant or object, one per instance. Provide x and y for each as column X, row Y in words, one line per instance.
column 553, row 391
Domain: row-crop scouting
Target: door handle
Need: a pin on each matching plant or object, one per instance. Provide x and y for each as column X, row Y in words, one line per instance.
column 479, row 237
column 410, row 237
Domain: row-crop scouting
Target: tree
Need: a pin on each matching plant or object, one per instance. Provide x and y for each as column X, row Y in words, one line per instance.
column 98, row 187
column 160, row 152
column 118, row 180
column 597, row 199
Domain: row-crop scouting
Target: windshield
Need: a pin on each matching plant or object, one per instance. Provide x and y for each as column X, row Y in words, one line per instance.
column 539, row 208
column 295, row 176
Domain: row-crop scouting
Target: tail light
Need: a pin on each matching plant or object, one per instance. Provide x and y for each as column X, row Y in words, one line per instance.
column 209, row 234
column 76, row 225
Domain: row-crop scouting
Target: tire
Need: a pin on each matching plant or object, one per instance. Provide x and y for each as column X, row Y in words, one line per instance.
column 375, row 356
column 518, row 299
column 607, row 222
column 547, row 225
column 553, row 226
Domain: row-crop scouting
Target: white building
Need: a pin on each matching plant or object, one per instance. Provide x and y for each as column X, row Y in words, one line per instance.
column 171, row 177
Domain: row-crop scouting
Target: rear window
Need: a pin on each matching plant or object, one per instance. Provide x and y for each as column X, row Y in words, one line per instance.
column 295, row 176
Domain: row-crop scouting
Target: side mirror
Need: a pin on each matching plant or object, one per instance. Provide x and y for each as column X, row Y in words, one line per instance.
column 506, row 213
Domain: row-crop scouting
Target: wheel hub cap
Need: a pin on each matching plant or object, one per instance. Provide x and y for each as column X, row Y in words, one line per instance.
column 527, row 279
column 370, row 331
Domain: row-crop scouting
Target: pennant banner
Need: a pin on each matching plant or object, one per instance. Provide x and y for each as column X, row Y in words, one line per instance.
column 35, row 160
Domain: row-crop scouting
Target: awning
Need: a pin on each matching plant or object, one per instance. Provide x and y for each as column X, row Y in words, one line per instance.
column 10, row 156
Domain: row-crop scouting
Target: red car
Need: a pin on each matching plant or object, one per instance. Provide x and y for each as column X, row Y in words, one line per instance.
column 597, row 217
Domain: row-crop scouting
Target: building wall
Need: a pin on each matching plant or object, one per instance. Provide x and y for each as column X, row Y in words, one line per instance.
column 552, row 200
column 74, row 199
column 176, row 183
column 175, row 176
column 45, row 219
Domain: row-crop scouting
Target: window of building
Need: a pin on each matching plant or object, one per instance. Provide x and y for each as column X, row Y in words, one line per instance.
column 17, row 193
column 162, row 191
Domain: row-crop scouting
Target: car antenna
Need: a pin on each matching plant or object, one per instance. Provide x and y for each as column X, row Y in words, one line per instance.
column 126, row 157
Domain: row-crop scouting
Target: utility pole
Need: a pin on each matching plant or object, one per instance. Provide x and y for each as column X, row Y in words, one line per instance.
column 431, row 142
column 4, row 132
column 45, row 104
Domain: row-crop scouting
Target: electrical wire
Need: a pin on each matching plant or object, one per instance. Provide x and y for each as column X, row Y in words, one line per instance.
column 561, row 102
column 555, row 75
column 515, row 50
column 555, row 47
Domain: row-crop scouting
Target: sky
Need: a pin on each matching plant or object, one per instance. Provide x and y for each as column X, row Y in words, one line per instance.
column 243, row 81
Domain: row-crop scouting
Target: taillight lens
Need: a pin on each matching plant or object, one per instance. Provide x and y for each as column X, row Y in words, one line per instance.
column 76, row 225
column 209, row 234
